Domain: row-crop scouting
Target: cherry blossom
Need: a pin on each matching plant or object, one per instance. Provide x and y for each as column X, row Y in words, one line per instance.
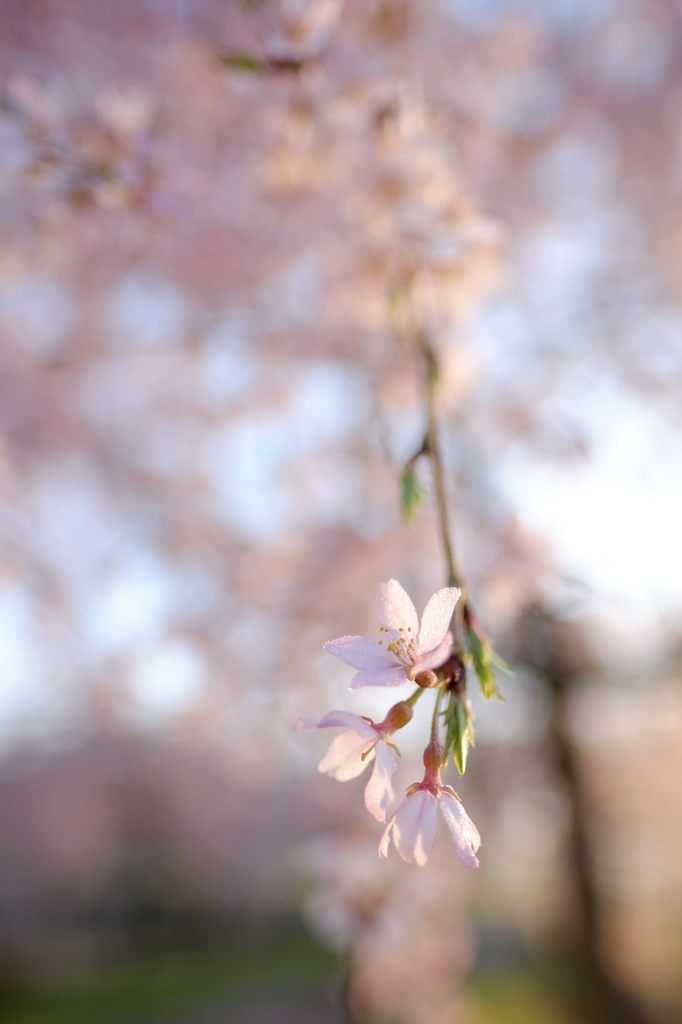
column 413, row 826
column 363, row 742
column 407, row 648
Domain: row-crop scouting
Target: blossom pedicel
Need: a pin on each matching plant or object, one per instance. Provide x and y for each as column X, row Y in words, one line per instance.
column 408, row 651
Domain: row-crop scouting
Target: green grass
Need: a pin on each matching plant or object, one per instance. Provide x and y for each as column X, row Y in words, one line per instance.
column 527, row 992
column 550, row 986
column 168, row 981
column 162, row 982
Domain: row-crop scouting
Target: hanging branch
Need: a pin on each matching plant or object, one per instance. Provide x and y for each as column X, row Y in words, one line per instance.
column 431, row 448
column 433, row 653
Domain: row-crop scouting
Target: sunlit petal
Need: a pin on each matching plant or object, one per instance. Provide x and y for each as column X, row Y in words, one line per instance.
column 436, row 618
column 439, row 656
column 360, row 652
column 348, row 720
column 396, row 610
column 299, row 724
column 379, row 791
column 385, row 840
column 462, row 829
column 343, row 760
column 414, row 829
column 391, row 676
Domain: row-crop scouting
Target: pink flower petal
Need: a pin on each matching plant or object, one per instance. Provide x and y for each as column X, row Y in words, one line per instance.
column 348, row 720
column 379, row 792
column 360, row 652
column 437, row 657
column 462, row 829
column 414, row 828
column 343, row 760
column 386, row 837
column 396, row 610
column 436, row 618
column 299, row 724
column 390, row 676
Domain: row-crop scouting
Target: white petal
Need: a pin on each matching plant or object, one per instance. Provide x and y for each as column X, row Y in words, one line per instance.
column 343, row 760
column 379, row 792
column 396, row 611
column 462, row 829
column 392, row 675
column 414, row 829
column 386, row 838
column 437, row 657
column 347, row 719
column 360, row 652
column 299, row 724
column 436, row 618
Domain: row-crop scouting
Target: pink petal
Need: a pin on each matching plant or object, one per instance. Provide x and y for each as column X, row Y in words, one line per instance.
column 379, row 792
column 436, row 618
column 414, row 828
column 396, row 610
column 462, row 829
column 343, row 760
column 390, row 676
column 386, row 837
column 299, row 724
column 437, row 657
column 347, row 719
column 360, row 652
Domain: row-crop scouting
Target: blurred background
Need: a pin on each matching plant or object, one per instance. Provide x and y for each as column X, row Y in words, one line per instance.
column 214, row 214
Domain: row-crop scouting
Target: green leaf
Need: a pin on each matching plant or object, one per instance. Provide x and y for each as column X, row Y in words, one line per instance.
column 460, row 731
column 238, row 60
column 484, row 658
column 500, row 663
column 411, row 493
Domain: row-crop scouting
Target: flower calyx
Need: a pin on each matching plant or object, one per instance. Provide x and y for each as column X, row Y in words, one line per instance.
column 427, row 679
column 398, row 716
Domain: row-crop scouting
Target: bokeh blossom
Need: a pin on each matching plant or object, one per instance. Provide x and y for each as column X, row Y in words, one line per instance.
column 408, row 647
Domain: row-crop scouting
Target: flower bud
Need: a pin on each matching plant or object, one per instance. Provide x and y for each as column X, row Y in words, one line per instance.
column 398, row 716
column 426, row 679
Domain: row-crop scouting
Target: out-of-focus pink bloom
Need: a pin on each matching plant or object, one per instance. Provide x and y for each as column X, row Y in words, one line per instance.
column 351, row 752
column 408, row 647
column 413, row 826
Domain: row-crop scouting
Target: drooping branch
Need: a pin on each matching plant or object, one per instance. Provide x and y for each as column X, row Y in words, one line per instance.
column 431, row 448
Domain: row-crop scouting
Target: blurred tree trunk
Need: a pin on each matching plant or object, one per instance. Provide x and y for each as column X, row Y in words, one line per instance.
column 557, row 651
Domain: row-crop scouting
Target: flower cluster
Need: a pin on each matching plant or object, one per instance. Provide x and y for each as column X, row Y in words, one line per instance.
column 409, row 651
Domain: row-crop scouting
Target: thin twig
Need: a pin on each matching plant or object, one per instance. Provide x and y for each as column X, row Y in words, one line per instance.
column 432, row 449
